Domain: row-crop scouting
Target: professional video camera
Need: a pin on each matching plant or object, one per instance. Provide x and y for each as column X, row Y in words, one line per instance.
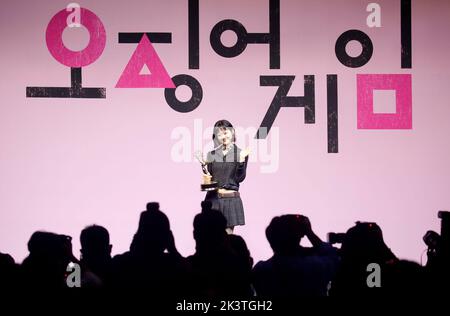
column 366, row 228
column 439, row 244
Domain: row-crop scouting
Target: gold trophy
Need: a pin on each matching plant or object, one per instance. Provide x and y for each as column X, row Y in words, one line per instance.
column 207, row 183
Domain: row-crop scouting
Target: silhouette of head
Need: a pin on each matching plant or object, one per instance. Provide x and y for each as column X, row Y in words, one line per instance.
column 94, row 241
column 364, row 241
column 6, row 260
column 153, row 231
column 50, row 245
column 284, row 233
column 46, row 264
column 209, row 226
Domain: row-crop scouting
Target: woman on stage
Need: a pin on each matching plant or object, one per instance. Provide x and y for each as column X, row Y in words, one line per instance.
column 227, row 165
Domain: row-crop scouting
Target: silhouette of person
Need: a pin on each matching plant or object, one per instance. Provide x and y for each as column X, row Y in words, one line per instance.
column 294, row 270
column 153, row 262
column 218, row 269
column 46, row 264
column 9, row 272
column 95, row 256
column 363, row 244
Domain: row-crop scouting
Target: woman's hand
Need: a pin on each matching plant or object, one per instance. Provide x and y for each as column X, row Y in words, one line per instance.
column 244, row 154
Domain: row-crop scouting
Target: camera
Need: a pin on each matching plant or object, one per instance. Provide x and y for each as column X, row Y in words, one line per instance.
column 335, row 238
column 368, row 229
column 445, row 226
column 434, row 240
column 439, row 244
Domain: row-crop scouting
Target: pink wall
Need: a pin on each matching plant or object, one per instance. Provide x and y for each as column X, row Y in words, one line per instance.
column 67, row 163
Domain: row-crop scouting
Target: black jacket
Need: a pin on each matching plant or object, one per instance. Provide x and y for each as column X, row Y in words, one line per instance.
column 226, row 169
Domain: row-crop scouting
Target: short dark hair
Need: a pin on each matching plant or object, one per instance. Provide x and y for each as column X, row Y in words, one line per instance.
column 94, row 236
column 284, row 232
column 223, row 124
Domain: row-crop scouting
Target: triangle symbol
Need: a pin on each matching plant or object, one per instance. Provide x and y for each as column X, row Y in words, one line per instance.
column 145, row 56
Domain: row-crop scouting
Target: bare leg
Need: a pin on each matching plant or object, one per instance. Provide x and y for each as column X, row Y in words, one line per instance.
column 229, row 230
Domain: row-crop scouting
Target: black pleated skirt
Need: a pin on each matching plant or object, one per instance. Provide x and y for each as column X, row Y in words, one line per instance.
column 231, row 207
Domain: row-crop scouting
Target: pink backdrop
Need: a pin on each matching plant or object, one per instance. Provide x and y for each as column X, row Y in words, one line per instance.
column 67, row 163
